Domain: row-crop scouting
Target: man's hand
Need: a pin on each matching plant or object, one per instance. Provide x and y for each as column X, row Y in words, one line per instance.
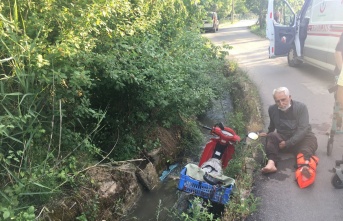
column 282, row 144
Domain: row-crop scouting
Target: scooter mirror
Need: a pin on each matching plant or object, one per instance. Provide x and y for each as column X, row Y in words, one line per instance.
column 253, row 135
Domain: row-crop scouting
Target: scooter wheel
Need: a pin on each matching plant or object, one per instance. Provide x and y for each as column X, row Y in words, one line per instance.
column 329, row 148
column 337, row 182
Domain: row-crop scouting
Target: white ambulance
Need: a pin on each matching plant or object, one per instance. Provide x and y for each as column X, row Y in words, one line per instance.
column 309, row 36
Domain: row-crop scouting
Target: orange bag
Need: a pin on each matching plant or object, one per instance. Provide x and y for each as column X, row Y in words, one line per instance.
column 302, row 180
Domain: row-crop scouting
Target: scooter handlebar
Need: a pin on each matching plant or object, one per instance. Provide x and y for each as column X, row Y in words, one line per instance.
column 206, row 127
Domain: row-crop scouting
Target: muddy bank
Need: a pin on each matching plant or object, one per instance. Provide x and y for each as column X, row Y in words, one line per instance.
column 109, row 191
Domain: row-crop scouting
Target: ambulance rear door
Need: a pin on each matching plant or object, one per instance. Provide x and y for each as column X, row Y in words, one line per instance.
column 280, row 28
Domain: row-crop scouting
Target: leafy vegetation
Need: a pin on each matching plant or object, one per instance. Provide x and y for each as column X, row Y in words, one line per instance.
column 246, row 117
column 258, row 31
column 84, row 81
column 226, row 8
column 199, row 211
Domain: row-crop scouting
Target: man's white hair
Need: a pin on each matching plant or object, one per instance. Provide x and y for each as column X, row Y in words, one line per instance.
column 281, row 89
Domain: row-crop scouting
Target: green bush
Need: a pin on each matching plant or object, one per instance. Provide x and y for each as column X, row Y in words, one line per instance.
column 199, row 211
column 80, row 80
column 245, row 118
column 258, row 31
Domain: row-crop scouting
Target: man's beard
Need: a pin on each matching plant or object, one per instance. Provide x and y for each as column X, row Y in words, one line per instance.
column 285, row 108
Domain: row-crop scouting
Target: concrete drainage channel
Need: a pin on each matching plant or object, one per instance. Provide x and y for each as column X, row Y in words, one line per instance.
column 157, row 204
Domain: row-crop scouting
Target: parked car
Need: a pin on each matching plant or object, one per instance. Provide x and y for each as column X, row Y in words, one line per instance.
column 211, row 22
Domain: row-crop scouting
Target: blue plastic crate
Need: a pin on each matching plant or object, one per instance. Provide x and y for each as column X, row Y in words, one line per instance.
column 204, row 190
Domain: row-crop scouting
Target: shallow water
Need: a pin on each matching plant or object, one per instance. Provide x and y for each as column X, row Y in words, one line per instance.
column 153, row 205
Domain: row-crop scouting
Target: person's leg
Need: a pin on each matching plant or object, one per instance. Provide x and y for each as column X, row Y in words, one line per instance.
column 308, row 148
column 339, row 95
column 272, row 151
column 270, row 167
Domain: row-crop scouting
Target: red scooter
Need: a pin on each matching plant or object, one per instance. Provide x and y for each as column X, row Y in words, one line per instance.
column 206, row 179
column 220, row 147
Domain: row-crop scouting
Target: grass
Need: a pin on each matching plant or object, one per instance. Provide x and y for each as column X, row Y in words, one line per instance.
column 228, row 21
column 247, row 118
column 258, row 31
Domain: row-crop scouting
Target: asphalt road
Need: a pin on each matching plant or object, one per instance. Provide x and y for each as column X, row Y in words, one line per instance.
column 281, row 198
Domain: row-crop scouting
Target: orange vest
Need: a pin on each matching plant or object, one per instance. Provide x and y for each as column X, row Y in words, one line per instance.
column 300, row 178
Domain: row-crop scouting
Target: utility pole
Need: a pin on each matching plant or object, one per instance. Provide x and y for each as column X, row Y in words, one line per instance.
column 232, row 11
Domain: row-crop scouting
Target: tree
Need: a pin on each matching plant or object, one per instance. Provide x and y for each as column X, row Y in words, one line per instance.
column 258, row 7
column 240, row 7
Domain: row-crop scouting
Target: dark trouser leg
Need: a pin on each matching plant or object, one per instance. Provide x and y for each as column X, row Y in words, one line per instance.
column 272, row 146
column 308, row 146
